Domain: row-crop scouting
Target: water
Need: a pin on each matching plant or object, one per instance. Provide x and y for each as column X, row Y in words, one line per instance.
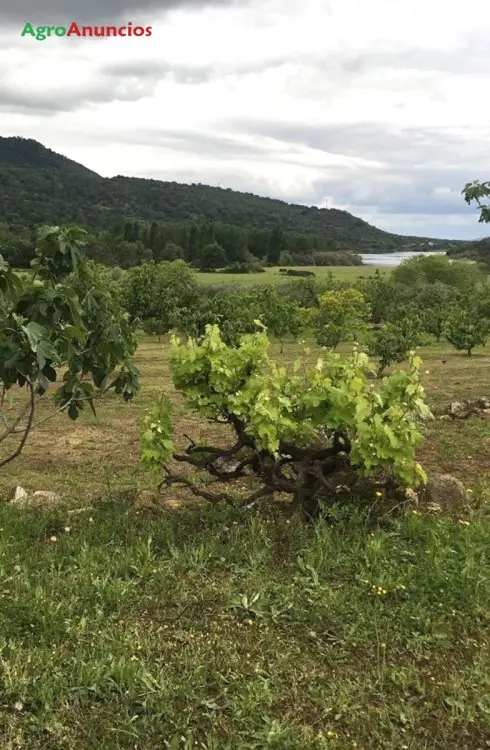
column 391, row 259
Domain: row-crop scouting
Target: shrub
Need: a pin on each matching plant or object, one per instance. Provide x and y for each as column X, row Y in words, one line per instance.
column 300, row 433
column 430, row 269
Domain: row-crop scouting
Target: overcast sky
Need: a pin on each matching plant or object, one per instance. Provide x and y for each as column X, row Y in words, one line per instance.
column 380, row 107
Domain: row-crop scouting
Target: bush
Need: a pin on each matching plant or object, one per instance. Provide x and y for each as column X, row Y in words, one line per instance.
column 235, row 313
column 249, row 264
column 339, row 258
column 430, row 269
column 300, row 433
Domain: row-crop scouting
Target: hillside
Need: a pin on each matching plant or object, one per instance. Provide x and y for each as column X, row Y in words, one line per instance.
column 24, row 152
column 38, row 185
column 478, row 250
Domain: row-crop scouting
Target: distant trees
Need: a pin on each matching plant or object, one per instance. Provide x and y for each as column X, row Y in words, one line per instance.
column 430, row 269
column 38, row 186
column 171, row 252
column 276, row 246
column 132, row 242
column 154, row 293
column 211, row 257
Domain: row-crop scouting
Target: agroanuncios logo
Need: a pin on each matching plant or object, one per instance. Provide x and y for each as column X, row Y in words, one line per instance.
column 40, row 33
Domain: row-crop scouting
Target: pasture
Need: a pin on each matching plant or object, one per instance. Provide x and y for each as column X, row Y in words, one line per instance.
column 140, row 625
column 271, row 275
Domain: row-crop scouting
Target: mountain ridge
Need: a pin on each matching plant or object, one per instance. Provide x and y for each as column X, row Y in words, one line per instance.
column 38, row 185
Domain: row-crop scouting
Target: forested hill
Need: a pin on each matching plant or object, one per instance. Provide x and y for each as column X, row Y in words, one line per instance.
column 478, row 250
column 38, row 186
column 24, row 152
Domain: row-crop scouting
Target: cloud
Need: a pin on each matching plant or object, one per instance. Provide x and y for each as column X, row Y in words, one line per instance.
column 150, row 71
column 376, row 108
column 94, row 11
column 51, row 100
column 420, row 148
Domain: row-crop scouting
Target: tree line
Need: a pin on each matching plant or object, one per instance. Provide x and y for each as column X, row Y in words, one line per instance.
column 206, row 246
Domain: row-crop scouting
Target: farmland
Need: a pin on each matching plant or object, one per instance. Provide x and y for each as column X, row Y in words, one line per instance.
column 140, row 624
column 138, row 618
column 97, row 455
column 273, row 275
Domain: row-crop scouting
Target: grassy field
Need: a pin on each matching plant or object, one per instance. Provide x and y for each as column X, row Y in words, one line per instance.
column 272, row 275
column 134, row 626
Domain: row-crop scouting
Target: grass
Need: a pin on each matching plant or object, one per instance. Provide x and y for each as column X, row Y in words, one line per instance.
column 272, row 275
column 99, row 455
column 124, row 626
column 209, row 629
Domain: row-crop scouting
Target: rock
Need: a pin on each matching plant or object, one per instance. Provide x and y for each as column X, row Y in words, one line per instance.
column 44, row 497
column 483, row 403
column 411, row 496
column 19, row 496
column 464, row 408
column 460, row 409
column 445, row 491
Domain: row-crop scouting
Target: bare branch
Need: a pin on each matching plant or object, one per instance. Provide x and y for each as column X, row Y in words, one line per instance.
column 31, row 406
column 11, row 429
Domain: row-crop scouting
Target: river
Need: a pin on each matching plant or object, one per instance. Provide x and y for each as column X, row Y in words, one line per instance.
column 391, row 259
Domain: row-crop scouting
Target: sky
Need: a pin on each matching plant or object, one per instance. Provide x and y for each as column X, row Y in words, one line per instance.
column 379, row 108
